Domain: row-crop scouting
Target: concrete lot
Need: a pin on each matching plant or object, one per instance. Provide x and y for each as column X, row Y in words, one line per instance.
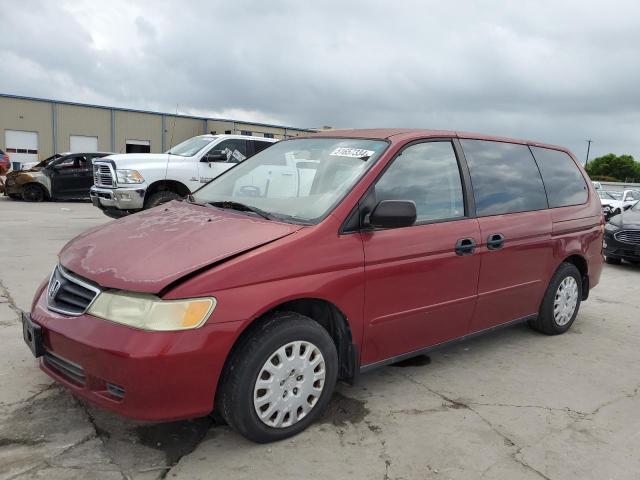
column 514, row 405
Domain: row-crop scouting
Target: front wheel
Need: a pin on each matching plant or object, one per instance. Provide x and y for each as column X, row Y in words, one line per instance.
column 280, row 379
column 159, row 198
column 561, row 301
column 32, row 192
column 613, row 260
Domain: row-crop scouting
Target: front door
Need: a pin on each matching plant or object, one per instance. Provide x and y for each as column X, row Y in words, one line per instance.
column 68, row 177
column 420, row 291
column 515, row 223
column 234, row 149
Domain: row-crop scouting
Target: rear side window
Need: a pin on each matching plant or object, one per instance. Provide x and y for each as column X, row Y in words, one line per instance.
column 428, row 174
column 504, row 176
column 564, row 183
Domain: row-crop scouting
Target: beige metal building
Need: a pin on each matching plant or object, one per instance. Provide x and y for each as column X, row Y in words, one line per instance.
column 33, row 129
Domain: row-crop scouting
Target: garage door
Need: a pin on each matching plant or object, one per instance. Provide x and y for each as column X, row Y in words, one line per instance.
column 138, row 146
column 83, row 144
column 22, row 147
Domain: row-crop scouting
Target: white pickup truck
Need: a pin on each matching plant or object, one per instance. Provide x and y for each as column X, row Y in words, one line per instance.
column 127, row 183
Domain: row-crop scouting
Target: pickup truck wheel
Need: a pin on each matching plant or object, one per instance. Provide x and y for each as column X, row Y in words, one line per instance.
column 279, row 379
column 561, row 301
column 161, row 197
column 32, row 192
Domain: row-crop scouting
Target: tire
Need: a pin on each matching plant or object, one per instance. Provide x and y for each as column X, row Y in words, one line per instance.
column 240, row 397
column 14, row 196
column 115, row 213
column 565, row 288
column 32, row 192
column 159, row 198
column 613, row 260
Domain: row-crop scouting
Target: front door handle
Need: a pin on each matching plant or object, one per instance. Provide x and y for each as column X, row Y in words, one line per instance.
column 465, row 246
column 495, row 241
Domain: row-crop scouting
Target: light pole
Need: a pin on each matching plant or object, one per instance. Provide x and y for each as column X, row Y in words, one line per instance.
column 588, row 148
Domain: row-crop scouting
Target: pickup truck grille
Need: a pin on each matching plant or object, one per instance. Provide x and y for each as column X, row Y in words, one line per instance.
column 103, row 175
column 628, row 236
column 68, row 294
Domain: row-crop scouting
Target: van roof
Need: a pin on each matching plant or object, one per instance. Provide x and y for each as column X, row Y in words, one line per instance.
column 408, row 134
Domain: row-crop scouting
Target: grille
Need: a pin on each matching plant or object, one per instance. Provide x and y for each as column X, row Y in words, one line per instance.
column 628, row 236
column 68, row 294
column 65, row 367
column 102, row 175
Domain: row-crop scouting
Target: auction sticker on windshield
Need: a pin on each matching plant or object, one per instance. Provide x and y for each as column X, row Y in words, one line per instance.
column 352, row 152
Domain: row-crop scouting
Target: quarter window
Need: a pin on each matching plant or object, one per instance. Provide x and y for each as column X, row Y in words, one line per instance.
column 428, row 174
column 504, row 176
column 564, row 183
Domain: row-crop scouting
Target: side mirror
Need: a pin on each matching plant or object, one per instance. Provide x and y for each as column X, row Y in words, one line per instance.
column 393, row 214
column 215, row 156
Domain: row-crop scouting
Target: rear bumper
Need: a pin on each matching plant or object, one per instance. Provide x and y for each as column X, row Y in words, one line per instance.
column 152, row 376
column 118, row 198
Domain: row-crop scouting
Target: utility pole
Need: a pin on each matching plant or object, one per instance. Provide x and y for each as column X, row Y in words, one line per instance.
column 588, row 148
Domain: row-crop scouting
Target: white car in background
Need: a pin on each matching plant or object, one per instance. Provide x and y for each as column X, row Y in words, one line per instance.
column 618, row 202
column 127, row 183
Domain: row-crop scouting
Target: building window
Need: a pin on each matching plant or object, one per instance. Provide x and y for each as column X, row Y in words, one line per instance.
column 248, row 133
column 268, row 135
column 227, row 132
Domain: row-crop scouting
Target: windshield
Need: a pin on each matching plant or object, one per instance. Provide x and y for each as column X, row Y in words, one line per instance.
column 47, row 161
column 190, row 147
column 297, row 180
column 606, row 195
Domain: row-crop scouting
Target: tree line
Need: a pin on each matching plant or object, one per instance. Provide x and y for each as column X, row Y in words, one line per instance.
column 614, row 168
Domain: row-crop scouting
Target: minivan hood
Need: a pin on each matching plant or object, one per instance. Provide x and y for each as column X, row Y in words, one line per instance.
column 148, row 251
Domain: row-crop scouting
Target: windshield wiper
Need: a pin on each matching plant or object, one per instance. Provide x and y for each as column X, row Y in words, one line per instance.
column 241, row 207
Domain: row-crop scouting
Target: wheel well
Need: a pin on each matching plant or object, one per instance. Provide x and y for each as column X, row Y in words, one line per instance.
column 327, row 315
column 582, row 266
column 47, row 195
column 169, row 186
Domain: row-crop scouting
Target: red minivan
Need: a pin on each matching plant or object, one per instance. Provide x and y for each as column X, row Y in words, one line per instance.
column 315, row 260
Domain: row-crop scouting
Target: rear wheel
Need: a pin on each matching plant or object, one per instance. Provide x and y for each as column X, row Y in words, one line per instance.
column 14, row 196
column 613, row 260
column 561, row 301
column 32, row 192
column 280, row 379
column 159, row 198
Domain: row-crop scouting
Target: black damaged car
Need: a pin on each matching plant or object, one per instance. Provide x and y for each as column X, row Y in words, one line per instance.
column 65, row 176
column 622, row 237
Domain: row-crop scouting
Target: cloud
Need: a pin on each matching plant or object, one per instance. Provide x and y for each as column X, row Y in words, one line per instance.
column 557, row 72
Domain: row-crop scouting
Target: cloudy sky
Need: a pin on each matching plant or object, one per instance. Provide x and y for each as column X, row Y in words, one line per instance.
column 554, row 71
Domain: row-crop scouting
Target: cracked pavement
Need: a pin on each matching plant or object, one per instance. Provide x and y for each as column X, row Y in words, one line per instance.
column 512, row 405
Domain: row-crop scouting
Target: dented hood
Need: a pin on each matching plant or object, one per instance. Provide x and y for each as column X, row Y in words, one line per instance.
column 148, row 251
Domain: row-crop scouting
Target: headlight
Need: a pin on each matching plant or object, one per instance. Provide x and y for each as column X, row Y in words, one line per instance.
column 129, row 176
column 610, row 227
column 149, row 312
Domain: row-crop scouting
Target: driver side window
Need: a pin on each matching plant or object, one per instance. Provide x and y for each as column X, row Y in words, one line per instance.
column 427, row 174
column 235, row 149
column 68, row 162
